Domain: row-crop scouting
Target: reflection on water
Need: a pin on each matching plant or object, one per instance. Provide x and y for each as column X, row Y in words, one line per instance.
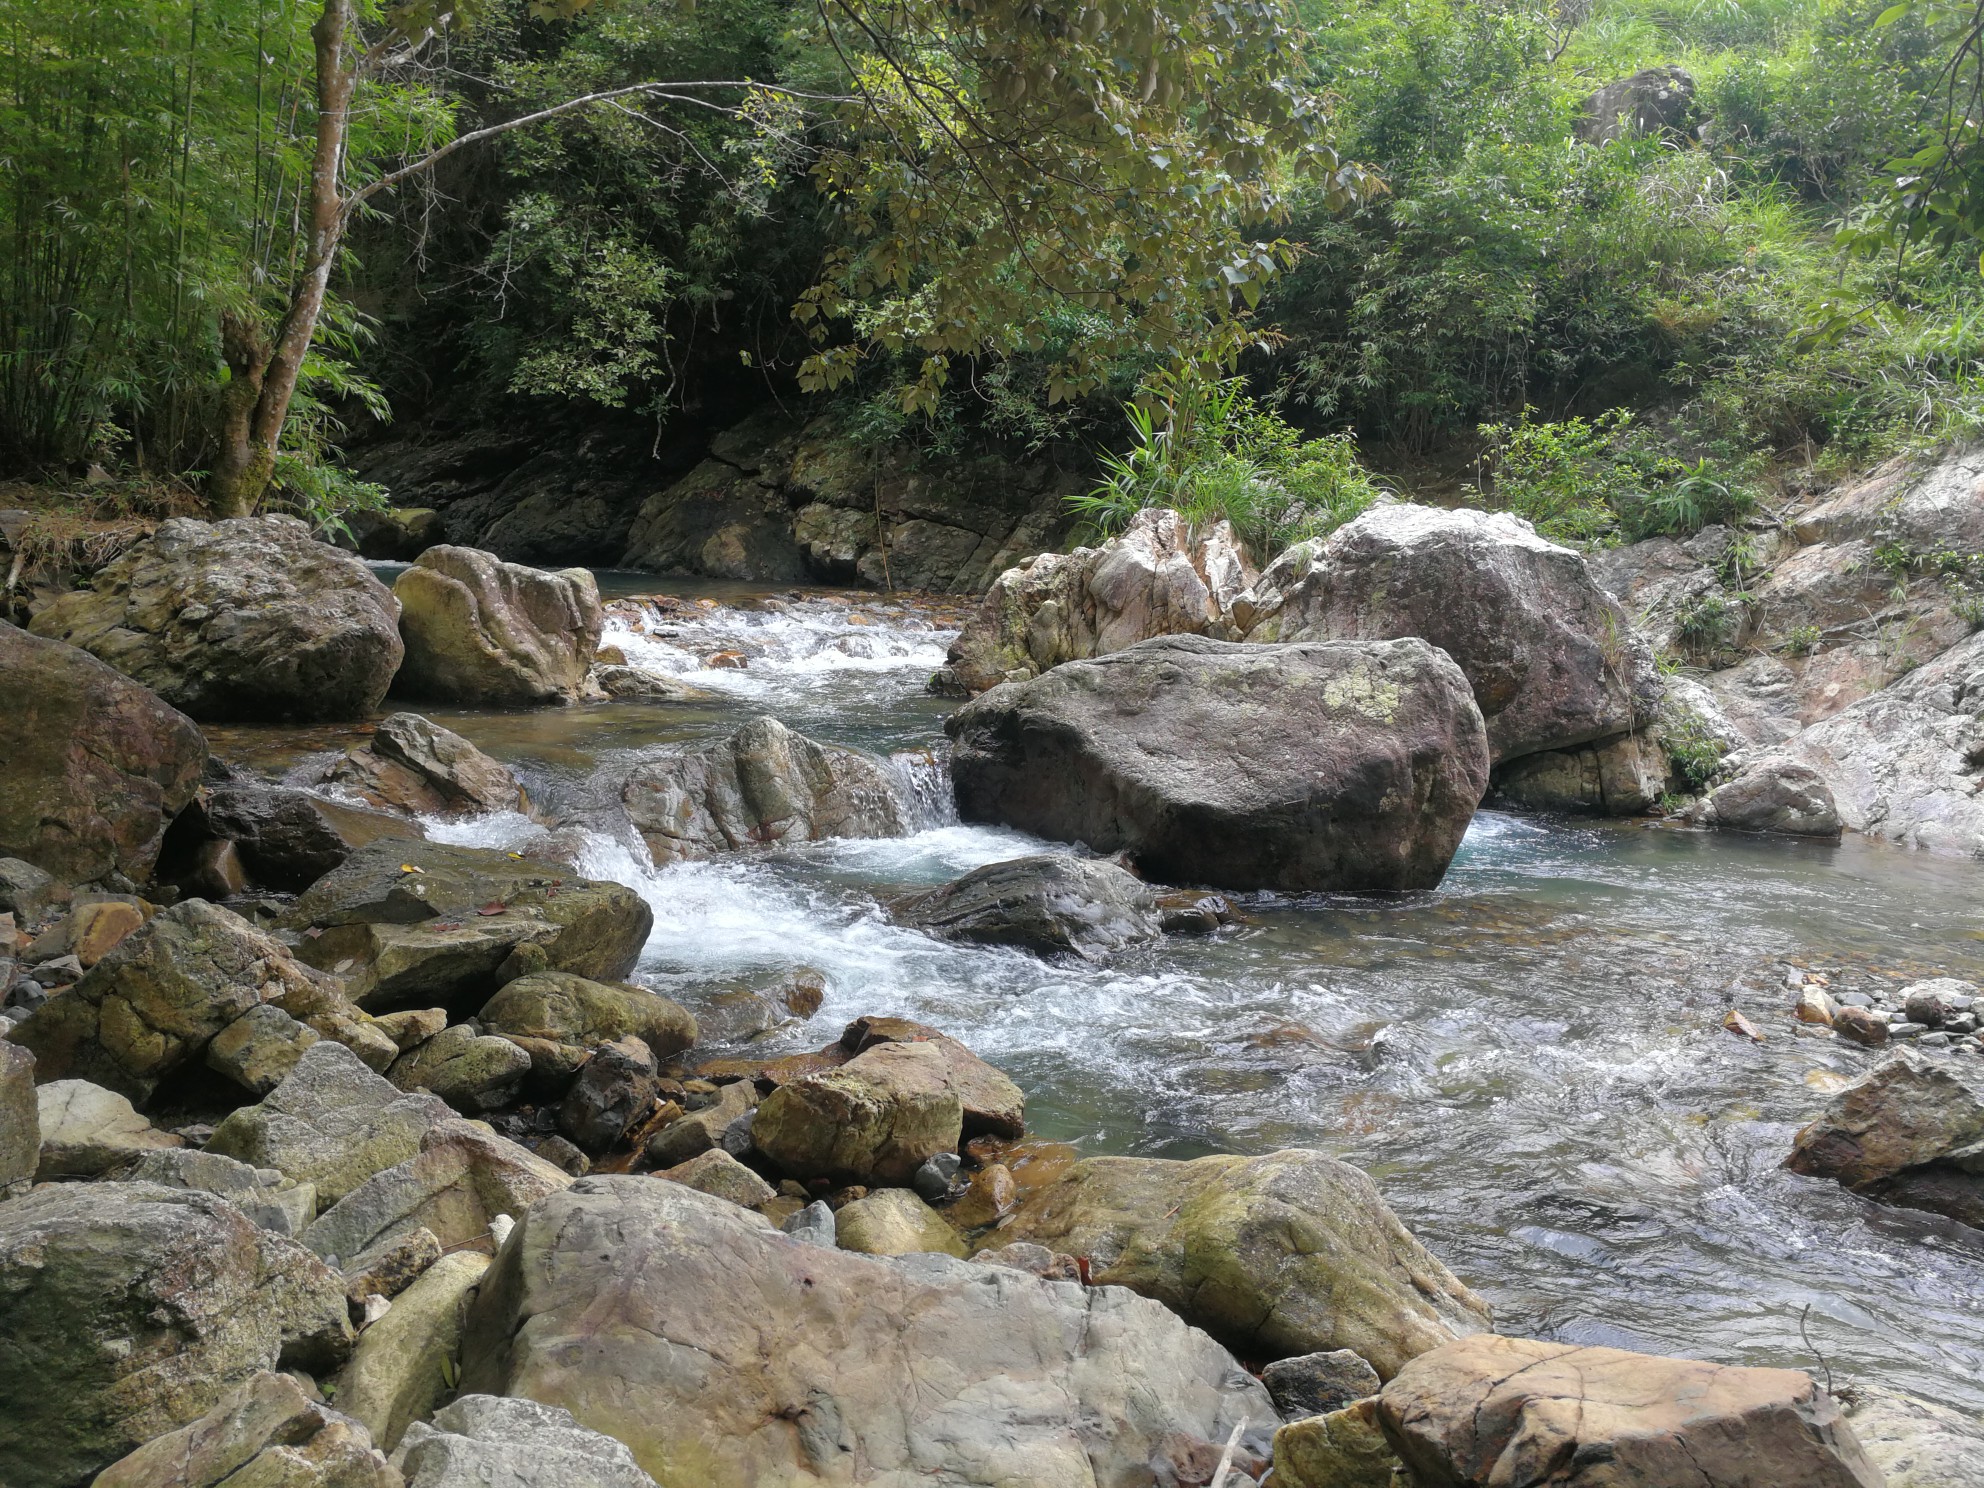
column 1530, row 1060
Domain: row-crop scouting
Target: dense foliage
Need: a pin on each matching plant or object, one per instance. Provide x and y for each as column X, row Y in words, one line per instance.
column 1002, row 221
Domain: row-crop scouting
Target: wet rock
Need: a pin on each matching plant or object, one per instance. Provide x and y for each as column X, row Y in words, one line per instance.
column 160, row 997
column 266, row 1431
column 470, row 1071
column 719, row 1174
column 615, row 1088
column 1344, row 1447
column 1491, row 1410
column 1050, row 904
column 148, row 1305
column 638, row 684
column 250, row 618
column 1159, row 577
column 1908, row 1131
column 1051, row 1382
column 417, row 923
column 264, row 1195
column 97, row 765
column 876, row 1119
column 462, row 1178
column 1861, row 1025
column 557, row 1018
column 486, row 1439
column 283, row 838
column 993, row 1105
column 764, row 784
column 399, row 1370
column 87, row 1130
column 1813, row 1006
column 1625, row 776
column 934, row 1178
column 1552, row 659
column 20, row 1120
column 990, row 1194
column 706, row 1129
column 1938, row 1002
column 1292, row 1253
column 894, row 1221
column 1192, row 912
column 1907, row 764
column 413, row 765
column 1773, row 793
column 495, row 634
column 25, row 891
column 332, row 1123
column 1313, row 766
column 1658, row 100
column 1316, row 1384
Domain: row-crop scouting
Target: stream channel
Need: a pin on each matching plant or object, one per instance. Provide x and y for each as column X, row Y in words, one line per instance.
column 1530, row 1060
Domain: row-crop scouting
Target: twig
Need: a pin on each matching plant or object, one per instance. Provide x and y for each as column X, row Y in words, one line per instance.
column 1226, row 1457
column 1814, row 1347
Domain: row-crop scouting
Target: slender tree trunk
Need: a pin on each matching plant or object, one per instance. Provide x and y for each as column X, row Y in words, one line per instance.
column 263, row 374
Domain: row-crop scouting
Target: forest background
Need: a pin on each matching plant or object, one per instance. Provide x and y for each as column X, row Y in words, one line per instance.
column 1402, row 263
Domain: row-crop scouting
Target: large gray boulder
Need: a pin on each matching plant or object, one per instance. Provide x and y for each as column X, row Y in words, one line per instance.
column 251, row 619
column 413, row 924
column 1907, row 763
column 495, row 634
column 1291, row 1253
column 1553, row 659
column 764, row 784
column 730, row 1355
column 479, row 1440
column 1656, row 100
column 1492, row 1410
column 1771, row 793
column 1338, row 765
column 96, row 765
column 1050, row 904
column 128, row 1310
column 1160, row 576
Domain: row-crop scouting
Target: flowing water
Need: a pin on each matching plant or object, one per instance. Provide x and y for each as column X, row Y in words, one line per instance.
column 1530, row 1060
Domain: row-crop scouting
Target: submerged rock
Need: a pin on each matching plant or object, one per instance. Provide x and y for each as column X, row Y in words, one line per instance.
column 1552, row 658
column 495, row 634
column 96, row 765
column 1291, row 1253
column 761, row 1360
column 128, row 1310
column 1504, row 1410
column 1050, row 904
column 764, row 784
column 1341, row 765
column 251, row 619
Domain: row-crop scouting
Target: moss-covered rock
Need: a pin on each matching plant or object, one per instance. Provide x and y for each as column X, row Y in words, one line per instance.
column 876, row 1119
column 556, row 1018
column 894, row 1221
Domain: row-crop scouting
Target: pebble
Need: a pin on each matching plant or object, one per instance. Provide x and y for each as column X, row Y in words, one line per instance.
column 813, row 1225
column 1935, row 1040
column 1907, row 1030
column 1853, row 999
column 933, row 1180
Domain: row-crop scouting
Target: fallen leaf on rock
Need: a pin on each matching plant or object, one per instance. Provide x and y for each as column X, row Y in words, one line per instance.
column 1735, row 1022
column 492, row 908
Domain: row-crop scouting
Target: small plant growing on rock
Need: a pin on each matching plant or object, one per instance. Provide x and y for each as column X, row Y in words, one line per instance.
column 1803, row 640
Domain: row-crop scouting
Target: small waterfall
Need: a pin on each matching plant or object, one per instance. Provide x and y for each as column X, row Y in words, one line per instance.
column 923, row 780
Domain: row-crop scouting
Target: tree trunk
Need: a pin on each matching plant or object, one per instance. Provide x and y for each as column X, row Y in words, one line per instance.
column 264, row 377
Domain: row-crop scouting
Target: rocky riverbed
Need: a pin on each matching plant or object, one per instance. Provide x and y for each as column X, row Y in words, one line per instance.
column 673, row 1056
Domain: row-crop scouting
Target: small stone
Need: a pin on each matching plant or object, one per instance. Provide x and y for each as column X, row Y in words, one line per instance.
column 60, row 972
column 411, row 1027
column 1933, row 1003
column 1736, row 1023
column 25, row 890
column 561, row 1154
column 804, row 991
column 1906, row 1030
column 933, row 1180
column 1316, row 1384
column 894, row 1221
column 990, row 1197
column 813, row 1225
column 86, row 1130
column 614, row 1089
column 1860, row 1025
column 1961, row 1024
column 1936, row 1040
column 1813, row 1007
column 1853, row 999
